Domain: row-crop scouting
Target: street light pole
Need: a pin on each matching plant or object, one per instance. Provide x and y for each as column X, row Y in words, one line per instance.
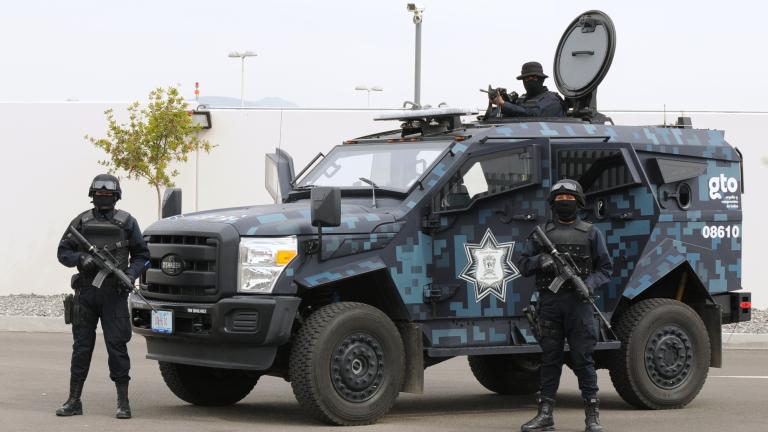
column 417, row 19
column 242, row 81
column 369, row 90
column 242, row 56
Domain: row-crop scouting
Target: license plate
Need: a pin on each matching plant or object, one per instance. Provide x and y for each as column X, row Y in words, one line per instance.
column 162, row 321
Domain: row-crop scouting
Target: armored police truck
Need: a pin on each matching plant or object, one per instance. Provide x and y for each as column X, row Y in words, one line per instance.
column 396, row 251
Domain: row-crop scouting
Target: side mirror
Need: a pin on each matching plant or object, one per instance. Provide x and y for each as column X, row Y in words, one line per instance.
column 171, row 202
column 278, row 174
column 326, row 206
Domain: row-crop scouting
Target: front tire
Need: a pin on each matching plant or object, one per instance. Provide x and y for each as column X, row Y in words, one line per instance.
column 507, row 374
column 346, row 364
column 664, row 356
column 206, row 386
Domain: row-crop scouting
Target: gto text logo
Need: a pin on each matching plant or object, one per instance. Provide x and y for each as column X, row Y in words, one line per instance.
column 720, row 185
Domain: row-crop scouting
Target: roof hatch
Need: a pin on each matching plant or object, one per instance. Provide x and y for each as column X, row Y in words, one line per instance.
column 582, row 60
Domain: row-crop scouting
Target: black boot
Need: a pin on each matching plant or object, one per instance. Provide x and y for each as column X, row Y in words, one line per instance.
column 72, row 406
column 592, row 415
column 544, row 421
column 123, row 406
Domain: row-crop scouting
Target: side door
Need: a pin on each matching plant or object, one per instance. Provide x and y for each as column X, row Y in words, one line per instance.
column 619, row 203
column 487, row 207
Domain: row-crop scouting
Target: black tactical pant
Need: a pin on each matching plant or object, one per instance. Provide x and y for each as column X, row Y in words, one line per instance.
column 565, row 315
column 111, row 307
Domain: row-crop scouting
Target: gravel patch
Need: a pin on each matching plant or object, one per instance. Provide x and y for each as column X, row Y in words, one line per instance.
column 758, row 324
column 32, row 305
column 52, row 306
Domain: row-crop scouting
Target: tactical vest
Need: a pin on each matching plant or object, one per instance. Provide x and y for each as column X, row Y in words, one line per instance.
column 536, row 100
column 533, row 101
column 573, row 239
column 109, row 234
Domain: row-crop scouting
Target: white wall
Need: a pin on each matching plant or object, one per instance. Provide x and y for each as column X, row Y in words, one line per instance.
column 47, row 166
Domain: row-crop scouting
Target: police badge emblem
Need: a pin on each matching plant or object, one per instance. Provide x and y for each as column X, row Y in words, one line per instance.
column 489, row 266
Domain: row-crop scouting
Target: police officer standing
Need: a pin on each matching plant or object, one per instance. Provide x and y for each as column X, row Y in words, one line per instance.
column 566, row 313
column 537, row 101
column 117, row 232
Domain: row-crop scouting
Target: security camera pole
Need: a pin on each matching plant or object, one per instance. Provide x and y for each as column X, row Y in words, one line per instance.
column 417, row 18
column 242, row 56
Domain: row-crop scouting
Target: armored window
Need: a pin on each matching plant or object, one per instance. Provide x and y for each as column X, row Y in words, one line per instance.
column 485, row 176
column 390, row 166
column 598, row 170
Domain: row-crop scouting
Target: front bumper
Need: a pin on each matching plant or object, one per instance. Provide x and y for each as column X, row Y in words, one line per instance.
column 235, row 333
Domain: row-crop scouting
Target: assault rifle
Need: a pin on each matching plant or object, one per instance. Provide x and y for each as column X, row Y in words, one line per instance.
column 567, row 273
column 499, row 91
column 107, row 264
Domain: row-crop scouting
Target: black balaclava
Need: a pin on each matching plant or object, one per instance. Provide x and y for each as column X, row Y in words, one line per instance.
column 534, row 87
column 565, row 209
column 104, row 203
column 105, row 183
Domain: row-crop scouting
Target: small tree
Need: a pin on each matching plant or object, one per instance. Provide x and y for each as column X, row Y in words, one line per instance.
column 155, row 137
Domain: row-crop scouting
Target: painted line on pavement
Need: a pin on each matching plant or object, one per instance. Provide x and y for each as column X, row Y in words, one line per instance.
column 741, row 376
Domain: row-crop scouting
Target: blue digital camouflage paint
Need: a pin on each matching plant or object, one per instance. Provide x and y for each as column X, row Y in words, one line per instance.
column 424, row 245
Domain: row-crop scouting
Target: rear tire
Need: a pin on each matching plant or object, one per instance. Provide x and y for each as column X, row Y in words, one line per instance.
column 346, row 365
column 206, row 386
column 507, row 374
column 664, row 356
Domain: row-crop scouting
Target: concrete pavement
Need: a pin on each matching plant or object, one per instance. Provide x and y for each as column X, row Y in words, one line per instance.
column 34, row 381
column 56, row 325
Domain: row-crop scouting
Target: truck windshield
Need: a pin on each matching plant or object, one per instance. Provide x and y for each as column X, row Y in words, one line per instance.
column 389, row 166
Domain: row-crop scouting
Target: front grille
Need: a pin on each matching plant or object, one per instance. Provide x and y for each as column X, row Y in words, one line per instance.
column 181, row 290
column 198, row 278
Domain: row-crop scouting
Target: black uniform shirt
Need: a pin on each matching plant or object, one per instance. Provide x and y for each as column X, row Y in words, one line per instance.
column 544, row 104
column 69, row 251
column 602, row 265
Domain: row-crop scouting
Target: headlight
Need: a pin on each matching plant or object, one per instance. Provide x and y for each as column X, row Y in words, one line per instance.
column 261, row 262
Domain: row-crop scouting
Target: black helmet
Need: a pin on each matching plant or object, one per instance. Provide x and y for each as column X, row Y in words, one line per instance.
column 106, row 182
column 570, row 187
column 532, row 69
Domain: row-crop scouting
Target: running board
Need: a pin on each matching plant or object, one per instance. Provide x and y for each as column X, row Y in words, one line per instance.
column 515, row 349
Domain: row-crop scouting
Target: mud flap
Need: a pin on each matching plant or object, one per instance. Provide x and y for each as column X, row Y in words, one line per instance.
column 711, row 314
column 413, row 377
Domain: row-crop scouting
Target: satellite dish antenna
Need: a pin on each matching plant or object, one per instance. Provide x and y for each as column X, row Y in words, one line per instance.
column 582, row 60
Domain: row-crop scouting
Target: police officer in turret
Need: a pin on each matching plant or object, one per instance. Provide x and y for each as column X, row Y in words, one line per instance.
column 119, row 233
column 537, row 101
column 566, row 313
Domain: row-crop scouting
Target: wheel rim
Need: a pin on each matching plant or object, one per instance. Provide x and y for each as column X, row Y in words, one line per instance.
column 357, row 367
column 669, row 357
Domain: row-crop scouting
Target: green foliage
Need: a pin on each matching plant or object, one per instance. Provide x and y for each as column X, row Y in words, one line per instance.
column 155, row 138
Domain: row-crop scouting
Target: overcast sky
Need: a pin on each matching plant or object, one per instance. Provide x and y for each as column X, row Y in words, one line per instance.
column 694, row 55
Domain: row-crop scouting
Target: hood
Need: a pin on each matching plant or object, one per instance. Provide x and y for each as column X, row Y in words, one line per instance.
column 281, row 219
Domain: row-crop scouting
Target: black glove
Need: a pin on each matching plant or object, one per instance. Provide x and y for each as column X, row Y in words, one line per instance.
column 547, row 264
column 87, row 263
column 585, row 292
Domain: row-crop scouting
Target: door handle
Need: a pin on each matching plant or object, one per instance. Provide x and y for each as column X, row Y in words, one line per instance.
column 628, row 215
column 525, row 217
column 505, row 218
